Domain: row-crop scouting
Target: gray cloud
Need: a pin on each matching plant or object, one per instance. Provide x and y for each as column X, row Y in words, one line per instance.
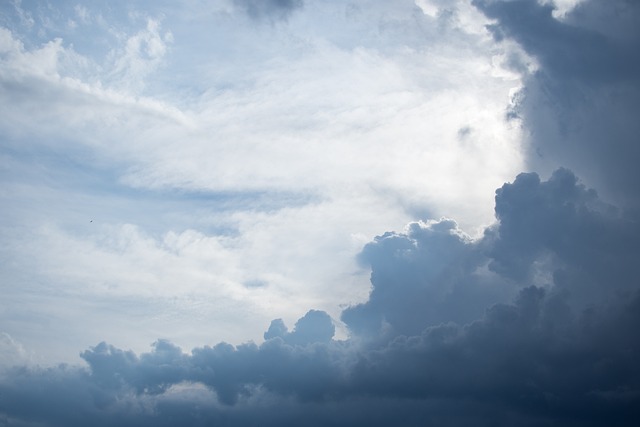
column 532, row 357
column 562, row 352
column 566, row 50
column 581, row 105
column 560, row 227
column 273, row 10
column 315, row 326
column 428, row 275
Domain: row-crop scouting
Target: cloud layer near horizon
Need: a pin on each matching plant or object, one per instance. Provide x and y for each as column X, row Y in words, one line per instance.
column 559, row 351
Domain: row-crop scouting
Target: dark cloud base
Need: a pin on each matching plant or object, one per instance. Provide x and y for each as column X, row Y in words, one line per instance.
column 561, row 351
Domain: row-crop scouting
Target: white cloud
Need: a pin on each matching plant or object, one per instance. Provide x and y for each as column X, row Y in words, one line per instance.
column 429, row 8
column 142, row 54
column 562, row 7
column 343, row 122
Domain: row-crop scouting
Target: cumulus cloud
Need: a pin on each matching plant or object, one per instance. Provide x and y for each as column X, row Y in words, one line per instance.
column 542, row 355
column 430, row 274
column 559, row 224
column 580, row 105
column 315, row 326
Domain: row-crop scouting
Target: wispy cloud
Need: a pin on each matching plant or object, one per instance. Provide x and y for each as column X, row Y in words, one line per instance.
column 337, row 123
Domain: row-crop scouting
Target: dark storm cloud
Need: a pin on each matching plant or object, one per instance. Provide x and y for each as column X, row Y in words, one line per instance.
column 534, row 358
column 561, row 227
column 563, row 352
column 273, row 10
column 303, row 362
column 581, row 105
column 565, row 50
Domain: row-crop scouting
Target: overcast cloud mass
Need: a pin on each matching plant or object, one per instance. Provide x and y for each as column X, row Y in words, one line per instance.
column 243, row 212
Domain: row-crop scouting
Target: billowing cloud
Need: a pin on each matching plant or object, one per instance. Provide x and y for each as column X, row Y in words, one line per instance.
column 315, row 326
column 561, row 226
column 430, row 274
column 581, row 103
column 561, row 349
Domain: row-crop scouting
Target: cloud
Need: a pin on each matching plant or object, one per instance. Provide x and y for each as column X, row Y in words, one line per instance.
column 142, row 54
column 433, row 273
column 13, row 353
column 545, row 355
column 230, row 153
column 579, row 106
column 564, row 50
column 533, row 322
column 315, row 326
column 346, row 93
column 302, row 363
column 273, row 10
column 530, row 356
column 563, row 220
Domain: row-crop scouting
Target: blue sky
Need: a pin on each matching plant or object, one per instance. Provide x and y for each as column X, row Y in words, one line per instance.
column 291, row 210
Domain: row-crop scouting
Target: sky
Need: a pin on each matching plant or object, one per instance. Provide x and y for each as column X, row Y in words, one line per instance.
column 279, row 212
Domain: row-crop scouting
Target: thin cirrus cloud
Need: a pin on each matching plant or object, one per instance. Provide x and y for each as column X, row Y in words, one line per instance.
column 531, row 321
